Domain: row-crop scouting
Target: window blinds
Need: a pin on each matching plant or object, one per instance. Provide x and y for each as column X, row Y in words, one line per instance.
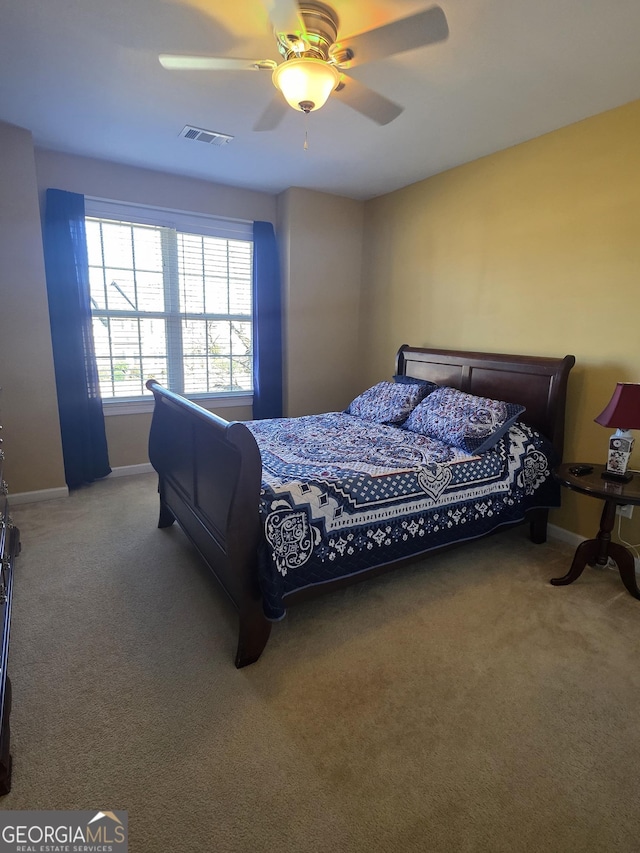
column 171, row 305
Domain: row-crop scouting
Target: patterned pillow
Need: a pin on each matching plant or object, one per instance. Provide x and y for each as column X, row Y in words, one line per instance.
column 411, row 380
column 387, row 402
column 474, row 424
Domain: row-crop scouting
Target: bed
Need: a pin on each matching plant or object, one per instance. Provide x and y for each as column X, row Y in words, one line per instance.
column 283, row 510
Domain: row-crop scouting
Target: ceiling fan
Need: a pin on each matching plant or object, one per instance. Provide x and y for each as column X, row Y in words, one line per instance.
column 315, row 62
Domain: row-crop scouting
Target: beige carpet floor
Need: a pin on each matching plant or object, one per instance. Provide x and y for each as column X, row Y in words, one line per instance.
column 459, row 704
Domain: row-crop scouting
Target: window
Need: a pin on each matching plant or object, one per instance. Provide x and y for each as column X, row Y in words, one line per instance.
column 170, row 303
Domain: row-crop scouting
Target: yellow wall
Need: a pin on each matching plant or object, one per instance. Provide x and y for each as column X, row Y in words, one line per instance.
column 535, row 249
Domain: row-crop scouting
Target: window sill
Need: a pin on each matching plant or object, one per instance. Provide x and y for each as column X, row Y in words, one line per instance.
column 139, row 407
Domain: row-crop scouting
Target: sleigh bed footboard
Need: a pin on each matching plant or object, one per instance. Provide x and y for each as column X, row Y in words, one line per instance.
column 209, row 475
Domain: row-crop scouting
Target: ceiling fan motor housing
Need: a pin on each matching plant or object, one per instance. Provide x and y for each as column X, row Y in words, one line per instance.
column 321, row 23
column 308, row 75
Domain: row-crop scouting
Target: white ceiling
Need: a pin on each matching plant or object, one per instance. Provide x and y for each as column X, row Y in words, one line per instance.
column 84, row 77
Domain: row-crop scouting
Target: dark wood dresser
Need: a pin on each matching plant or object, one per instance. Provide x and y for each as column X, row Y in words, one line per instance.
column 9, row 549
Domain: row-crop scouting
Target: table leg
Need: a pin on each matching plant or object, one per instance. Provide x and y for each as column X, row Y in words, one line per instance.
column 586, row 552
column 607, row 521
column 626, row 567
column 597, row 551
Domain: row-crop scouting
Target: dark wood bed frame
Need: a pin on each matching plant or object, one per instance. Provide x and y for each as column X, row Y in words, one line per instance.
column 210, row 470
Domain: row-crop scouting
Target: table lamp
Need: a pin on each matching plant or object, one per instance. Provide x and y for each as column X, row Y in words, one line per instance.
column 623, row 413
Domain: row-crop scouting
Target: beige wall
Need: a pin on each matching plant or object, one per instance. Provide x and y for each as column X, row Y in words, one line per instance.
column 535, row 249
column 322, row 239
column 321, row 236
column 28, row 403
column 128, row 435
column 321, row 266
column 116, row 182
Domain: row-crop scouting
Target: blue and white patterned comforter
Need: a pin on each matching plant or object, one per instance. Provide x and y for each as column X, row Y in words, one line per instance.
column 341, row 494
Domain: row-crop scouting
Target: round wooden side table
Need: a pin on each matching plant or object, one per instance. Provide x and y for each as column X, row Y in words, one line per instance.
column 596, row 552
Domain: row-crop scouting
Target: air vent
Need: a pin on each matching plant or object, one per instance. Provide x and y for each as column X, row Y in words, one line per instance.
column 211, row 137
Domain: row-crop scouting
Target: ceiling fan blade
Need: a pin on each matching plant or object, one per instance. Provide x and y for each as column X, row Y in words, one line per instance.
column 286, row 20
column 371, row 104
column 424, row 28
column 273, row 115
column 174, row 62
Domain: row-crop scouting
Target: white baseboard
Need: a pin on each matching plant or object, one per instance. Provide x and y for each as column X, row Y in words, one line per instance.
column 127, row 470
column 574, row 540
column 16, row 498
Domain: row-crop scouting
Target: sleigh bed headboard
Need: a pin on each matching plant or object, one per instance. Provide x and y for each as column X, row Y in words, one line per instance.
column 537, row 382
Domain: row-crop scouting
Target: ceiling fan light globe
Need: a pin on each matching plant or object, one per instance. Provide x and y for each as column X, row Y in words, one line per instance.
column 304, row 81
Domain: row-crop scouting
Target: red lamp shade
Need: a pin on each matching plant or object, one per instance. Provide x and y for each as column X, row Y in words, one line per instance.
column 623, row 411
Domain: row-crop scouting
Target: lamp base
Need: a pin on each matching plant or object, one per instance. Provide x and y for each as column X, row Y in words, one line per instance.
column 618, row 478
column 620, row 447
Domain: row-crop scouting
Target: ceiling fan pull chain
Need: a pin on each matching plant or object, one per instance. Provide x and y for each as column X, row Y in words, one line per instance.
column 306, row 132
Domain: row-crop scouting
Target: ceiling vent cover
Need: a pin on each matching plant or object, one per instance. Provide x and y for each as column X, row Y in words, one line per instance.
column 211, row 137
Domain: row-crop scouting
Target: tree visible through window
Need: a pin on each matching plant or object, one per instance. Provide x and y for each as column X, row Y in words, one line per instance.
column 169, row 305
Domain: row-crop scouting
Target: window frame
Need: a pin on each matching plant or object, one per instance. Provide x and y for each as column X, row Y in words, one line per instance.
column 184, row 221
